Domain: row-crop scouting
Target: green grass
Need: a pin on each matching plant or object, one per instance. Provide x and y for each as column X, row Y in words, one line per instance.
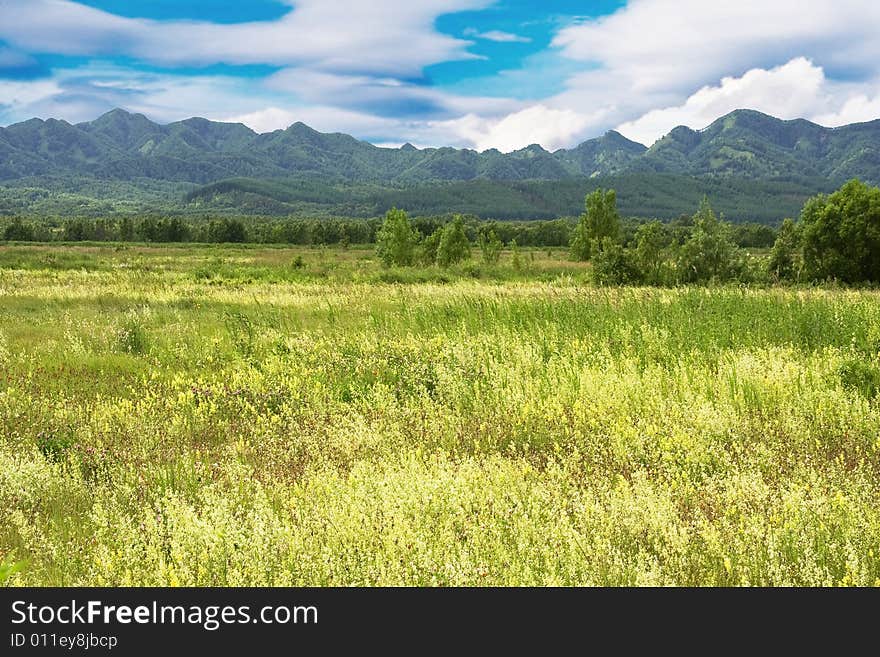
column 220, row 416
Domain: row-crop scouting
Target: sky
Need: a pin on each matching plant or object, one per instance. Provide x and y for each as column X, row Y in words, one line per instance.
column 466, row 73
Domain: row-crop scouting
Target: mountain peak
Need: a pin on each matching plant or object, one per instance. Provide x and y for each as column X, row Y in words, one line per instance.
column 119, row 115
column 534, row 149
column 116, row 111
column 299, row 126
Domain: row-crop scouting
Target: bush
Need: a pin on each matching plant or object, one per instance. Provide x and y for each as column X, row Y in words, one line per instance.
column 516, row 259
column 131, row 338
column 612, row 264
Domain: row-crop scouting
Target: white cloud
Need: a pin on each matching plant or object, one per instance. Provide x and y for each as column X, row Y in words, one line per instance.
column 265, row 120
column 395, row 37
column 657, row 63
column 676, row 44
column 15, row 93
column 552, row 128
column 795, row 90
column 498, row 36
column 857, row 109
column 81, row 94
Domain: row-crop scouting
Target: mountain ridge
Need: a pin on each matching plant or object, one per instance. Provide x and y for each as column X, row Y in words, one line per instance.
column 125, row 161
column 122, row 145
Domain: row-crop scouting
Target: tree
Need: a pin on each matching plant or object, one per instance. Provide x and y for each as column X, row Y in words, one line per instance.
column 429, row 246
column 580, row 241
column 603, row 219
column 454, row 244
column 126, row 229
column 710, row 252
column 786, row 260
column 396, row 240
column 599, row 221
column 841, row 234
column 490, row 245
column 648, row 257
column 17, row 231
column 227, row 230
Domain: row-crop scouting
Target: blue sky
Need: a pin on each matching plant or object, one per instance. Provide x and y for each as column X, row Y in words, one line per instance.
column 468, row 73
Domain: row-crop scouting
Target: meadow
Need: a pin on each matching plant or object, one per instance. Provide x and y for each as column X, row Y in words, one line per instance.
column 249, row 415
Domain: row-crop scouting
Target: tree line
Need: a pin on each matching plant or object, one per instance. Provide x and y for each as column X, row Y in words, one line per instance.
column 330, row 231
column 836, row 238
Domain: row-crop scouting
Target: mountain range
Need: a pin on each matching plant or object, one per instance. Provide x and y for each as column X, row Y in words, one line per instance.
column 123, row 161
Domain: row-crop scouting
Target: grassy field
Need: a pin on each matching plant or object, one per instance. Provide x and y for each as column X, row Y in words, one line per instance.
column 258, row 416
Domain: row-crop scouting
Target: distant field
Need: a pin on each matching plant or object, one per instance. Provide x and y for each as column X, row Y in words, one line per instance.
column 273, row 416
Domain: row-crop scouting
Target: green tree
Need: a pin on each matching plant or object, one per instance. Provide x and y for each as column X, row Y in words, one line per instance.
column 599, row 221
column 490, row 245
column 580, row 241
column 648, row 258
column 454, row 244
column 396, row 240
column 126, row 229
column 710, row 252
column 841, row 234
column 18, row 231
column 428, row 247
column 786, row 261
column 225, row 231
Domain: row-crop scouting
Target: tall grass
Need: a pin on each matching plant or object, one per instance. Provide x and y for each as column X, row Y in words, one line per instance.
column 158, row 427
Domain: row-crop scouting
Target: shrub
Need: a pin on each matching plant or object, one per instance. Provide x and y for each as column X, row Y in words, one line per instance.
column 648, row 261
column 612, row 264
column 516, row 260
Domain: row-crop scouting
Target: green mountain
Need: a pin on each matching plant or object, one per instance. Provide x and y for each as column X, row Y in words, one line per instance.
column 751, row 144
column 756, row 166
column 124, row 146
